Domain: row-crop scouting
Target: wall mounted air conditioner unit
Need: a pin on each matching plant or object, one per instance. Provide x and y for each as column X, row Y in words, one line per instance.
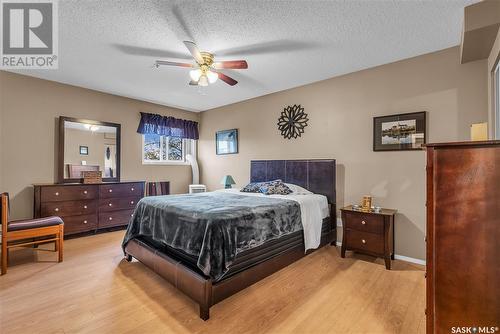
column 197, row 188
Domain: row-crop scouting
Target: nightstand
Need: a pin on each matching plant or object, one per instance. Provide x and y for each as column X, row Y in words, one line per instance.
column 369, row 233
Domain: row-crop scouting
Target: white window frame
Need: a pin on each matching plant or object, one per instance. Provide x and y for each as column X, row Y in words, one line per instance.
column 188, row 147
column 496, row 96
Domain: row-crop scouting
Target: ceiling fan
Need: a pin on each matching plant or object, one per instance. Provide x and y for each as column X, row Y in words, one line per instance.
column 205, row 70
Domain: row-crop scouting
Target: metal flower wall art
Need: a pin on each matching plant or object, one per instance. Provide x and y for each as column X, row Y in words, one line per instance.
column 292, row 121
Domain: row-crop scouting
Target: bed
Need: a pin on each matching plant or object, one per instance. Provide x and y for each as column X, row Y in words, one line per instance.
column 212, row 245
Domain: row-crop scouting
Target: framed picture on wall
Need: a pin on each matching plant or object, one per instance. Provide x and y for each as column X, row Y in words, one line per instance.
column 402, row 132
column 84, row 150
column 226, row 142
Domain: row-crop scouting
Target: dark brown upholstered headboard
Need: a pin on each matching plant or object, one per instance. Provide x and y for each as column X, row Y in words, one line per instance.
column 317, row 175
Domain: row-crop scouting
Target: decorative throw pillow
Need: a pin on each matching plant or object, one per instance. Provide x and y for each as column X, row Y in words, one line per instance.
column 256, row 187
column 275, row 188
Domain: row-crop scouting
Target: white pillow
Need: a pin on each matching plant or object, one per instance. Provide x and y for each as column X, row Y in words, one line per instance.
column 297, row 190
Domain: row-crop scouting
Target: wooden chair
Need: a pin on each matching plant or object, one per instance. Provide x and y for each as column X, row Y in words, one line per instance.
column 157, row 188
column 28, row 232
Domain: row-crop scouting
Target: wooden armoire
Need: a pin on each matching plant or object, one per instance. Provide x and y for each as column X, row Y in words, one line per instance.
column 463, row 236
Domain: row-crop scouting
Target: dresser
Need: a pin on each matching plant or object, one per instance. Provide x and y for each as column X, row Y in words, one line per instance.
column 463, row 236
column 369, row 233
column 88, row 207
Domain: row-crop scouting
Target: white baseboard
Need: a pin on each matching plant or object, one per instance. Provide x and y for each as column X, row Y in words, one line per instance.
column 398, row 257
column 339, row 222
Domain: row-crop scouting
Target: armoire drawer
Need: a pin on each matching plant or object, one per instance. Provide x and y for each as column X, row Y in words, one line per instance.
column 113, row 204
column 121, row 190
column 69, row 208
column 68, row 193
column 115, row 218
column 79, row 224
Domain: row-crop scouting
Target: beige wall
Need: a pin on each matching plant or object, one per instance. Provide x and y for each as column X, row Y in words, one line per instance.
column 28, row 144
column 340, row 112
column 74, row 138
column 492, row 61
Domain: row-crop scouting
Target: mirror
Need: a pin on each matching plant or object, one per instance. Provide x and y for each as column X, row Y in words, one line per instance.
column 86, row 145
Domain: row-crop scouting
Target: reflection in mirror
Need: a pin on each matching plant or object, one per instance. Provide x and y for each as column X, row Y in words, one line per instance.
column 89, row 147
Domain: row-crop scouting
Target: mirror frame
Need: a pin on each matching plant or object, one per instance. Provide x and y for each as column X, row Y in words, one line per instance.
column 60, row 167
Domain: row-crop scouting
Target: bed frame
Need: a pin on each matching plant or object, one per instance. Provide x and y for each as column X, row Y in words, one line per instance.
column 316, row 175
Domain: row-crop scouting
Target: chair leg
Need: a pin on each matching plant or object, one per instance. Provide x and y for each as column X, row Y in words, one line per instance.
column 61, row 243
column 4, row 257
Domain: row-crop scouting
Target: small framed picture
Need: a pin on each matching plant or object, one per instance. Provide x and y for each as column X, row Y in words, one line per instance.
column 84, row 150
column 226, row 141
column 402, row 132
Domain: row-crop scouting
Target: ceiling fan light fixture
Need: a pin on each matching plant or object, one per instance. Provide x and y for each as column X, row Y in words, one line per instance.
column 212, row 77
column 195, row 74
column 203, row 81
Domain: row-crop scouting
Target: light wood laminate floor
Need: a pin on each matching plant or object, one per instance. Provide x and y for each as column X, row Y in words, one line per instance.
column 96, row 291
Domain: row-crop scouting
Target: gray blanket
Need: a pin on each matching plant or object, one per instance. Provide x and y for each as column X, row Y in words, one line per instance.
column 213, row 226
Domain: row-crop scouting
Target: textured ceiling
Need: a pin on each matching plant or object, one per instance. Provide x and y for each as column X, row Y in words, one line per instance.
column 110, row 46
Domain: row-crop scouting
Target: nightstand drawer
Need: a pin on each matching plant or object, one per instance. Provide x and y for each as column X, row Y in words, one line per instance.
column 364, row 222
column 370, row 242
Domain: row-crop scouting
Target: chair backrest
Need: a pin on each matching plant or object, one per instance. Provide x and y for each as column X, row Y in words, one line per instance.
column 157, row 188
column 4, row 212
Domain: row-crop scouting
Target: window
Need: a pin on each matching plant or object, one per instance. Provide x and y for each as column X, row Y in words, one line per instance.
column 158, row 149
column 496, row 87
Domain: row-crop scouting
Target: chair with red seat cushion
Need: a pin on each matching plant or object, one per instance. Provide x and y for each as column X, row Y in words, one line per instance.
column 28, row 232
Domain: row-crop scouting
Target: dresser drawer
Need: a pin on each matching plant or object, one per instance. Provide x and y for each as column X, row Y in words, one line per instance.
column 115, row 218
column 364, row 222
column 370, row 242
column 67, row 193
column 78, row 224
column 68, row 208
column 121, row 190
column 113, row 204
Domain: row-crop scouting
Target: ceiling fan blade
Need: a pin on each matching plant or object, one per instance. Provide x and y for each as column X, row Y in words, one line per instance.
column 233, row 64
column 195, row 52
column 193, row 83
column 230, row 81
column 172, row 63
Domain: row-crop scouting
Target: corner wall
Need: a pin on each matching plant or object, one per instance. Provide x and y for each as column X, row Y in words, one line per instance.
column 28, row 135
column 341, row 112
column 493, row 60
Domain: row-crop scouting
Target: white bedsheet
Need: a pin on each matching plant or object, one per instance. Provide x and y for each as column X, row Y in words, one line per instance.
column 313, row 209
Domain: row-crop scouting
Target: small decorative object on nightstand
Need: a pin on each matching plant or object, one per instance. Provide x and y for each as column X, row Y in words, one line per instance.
column 371, row 233
column 227, row 181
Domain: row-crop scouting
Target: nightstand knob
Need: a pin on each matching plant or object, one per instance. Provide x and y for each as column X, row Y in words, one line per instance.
column 363, row 241
column 85, row 222
column 85, row 192
column 84, row 206
column 110, row 190
column 56, row 209
column 110, row 204
column 131, row 189
column 131, row 202
column 363, row 222
column 57, row 194
column 110, row 218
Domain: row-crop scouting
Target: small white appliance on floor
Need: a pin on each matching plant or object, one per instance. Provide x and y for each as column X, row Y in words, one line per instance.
column 197, row 188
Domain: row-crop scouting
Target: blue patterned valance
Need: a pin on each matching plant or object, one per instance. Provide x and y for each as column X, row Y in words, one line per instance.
column 167, row 126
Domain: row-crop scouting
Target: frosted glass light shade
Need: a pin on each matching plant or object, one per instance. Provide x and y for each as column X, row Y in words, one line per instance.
column 195, row 74
column 212, row 77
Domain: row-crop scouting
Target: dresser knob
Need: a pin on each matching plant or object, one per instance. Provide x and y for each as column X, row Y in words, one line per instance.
column 56, row 209
column 131, row 189
column 131, row 202
column 85, row 192
column 84, row 206
column 110, row 218
column 85, row 222
column 363, row 222
column 110, row 190
column 132, row 215
column 363, row 241
column 57, row 194
column 110, row 204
